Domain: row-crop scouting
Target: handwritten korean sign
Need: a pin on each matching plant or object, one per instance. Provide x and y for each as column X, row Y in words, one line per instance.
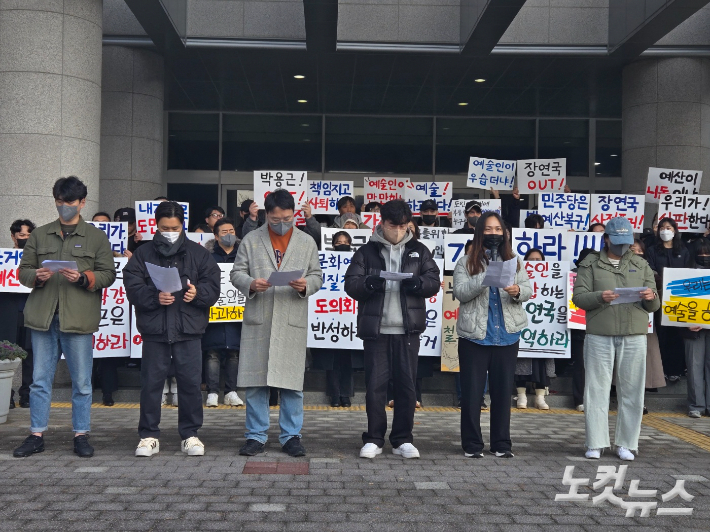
column 604, row 207
column 662, row 181
column 323, row 196
column 267, row 181
column 145, row 217
column 440, row 192
column 117, row 233
column 567, row 211
column 542, row 175
column 230, row 305
column 9, row 263
column 384, row 189
column 486, row 173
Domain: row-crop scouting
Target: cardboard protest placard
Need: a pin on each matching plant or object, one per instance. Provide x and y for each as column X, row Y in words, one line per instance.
column 454, row 247
column 323, row 196
column 229, row 308
column 430, row 339
column 384, row 189
column 449, row 336
column 371, row 219
column 564, row 210
column 686, row 298
column 574, row 243
column 136, row 338
column 437, row 235
column 9, row 279
column 487, row 173
column 662, row 181
column 117, row 233
column 296, row 182
column 546, row 335
column 113, row 337
column 604, row 207
column 360, row 237
column 440, row 192
column 550, row 241
column 145, row 217
column 542, row 175
column 691, row 213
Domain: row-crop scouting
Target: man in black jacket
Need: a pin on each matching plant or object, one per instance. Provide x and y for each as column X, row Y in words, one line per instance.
column 473, row 213
column 391, row 316
column 171, row 325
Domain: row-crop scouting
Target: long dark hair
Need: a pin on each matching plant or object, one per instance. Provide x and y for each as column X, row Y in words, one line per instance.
column 702, row 247
column 477, row 259
column 677, row 244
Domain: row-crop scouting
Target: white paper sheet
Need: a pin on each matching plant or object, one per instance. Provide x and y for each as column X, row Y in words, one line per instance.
column 164, row 279
column 56, row 265
column 283, row 278
column 395, row 276
column 501, row 274
column 628, row 295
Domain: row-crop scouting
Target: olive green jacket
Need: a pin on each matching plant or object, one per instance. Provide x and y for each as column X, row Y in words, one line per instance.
column 79, row 307
column 595, row 274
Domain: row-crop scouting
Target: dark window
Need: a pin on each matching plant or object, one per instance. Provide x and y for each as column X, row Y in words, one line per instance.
column 459, row 139
column 608, row 157
column 271, row 142
column 193, row 141
column 378, row 145
column 199, row 196
column 567, row 139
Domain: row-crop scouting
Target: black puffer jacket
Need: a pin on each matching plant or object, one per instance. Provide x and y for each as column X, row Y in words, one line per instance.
column 367, row 261
column 180, row 321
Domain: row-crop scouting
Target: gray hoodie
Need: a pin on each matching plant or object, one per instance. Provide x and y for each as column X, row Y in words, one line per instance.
column 392, row 320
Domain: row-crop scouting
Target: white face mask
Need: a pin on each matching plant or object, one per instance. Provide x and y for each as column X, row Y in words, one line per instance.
column 171, row 236
column 666, row 234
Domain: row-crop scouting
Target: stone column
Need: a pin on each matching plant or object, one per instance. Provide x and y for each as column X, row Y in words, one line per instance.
column 665, row 119
column 50, row 104
column 131, row 126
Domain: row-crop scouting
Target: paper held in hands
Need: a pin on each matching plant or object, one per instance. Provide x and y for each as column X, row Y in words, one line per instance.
column 56, row 265
column 164, row 279
column 628, row 295
column 501, row 274
column 395, row 276
column 283, row 278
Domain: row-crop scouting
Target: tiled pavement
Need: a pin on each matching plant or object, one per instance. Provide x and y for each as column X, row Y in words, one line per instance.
column 332, row 489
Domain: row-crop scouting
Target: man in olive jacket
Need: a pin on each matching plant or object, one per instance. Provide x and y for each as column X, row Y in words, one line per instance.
column 616, row 338
column 64, row 310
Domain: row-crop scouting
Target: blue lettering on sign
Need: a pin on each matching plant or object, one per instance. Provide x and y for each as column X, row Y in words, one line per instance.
column 697, row 286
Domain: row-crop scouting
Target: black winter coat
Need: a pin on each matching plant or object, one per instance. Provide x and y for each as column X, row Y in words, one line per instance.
column 180, row 321
column 222, row 335
column 660, row 258
column 367, row 261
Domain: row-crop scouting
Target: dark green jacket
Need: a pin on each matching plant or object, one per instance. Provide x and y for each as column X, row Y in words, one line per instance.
column 79, row 307
column 595, row 274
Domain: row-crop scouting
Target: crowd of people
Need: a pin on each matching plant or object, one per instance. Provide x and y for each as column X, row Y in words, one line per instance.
column 265, row 355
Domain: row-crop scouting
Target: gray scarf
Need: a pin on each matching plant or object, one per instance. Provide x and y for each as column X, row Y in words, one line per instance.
column 164, row 247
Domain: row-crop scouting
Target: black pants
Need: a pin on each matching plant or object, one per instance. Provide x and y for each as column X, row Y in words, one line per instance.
column 474, row 361
column 187, row 358
column 672, row 354
column 395, row 356
column 106, row 370
column 27, row 370
column 578, row 372
column 340, row 378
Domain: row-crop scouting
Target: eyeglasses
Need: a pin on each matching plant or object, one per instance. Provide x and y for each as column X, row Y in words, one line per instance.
column 281, row 220
column 217, row 215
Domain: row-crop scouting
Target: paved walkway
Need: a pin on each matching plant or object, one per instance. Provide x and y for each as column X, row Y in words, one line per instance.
column 332, row 489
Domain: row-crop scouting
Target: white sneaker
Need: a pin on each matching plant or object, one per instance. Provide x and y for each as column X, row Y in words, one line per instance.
column 580, row 408
column 406, row 450
column 212, row 399
column 370, row 450
column 232, row 399
column 175, row 398
column 164, row 401
column 593, row 454
column 148, row 447
column 624, row 453
column 193, row 446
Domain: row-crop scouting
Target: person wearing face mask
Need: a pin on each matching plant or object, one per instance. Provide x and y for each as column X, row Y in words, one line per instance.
column 616, row 338
column 274, row 331
column 221, row 340
column 391, row 316
column 429, row 214
column 668, row 251
column 64, row 310
column 697, row 350
column 489, row 325
column 172, row 325
column 12, row 319
column 473, row 213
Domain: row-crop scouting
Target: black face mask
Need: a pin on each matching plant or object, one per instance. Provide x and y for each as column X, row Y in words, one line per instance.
column 429, row 219
column 472, row 220
column 341, row 247
column 21, row 242
column 702, row 262
column 492, row 241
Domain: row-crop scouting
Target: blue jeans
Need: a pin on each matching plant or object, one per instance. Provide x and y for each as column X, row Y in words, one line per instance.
column 257, row 420
column 78, row 350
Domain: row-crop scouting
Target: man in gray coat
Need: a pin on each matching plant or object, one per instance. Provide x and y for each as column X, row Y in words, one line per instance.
column 275, row 356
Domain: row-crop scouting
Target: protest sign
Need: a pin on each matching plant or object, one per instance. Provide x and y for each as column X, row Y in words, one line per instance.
column 449, row 336
column 430, row 339
column 334, row 264
column 550, row 241
column 524, row 213
column 360, row 237
column 323, row 196
column 546, row 335
column 662, row 181
column 267, row 181
column 541, row 175
column 686, row 298
column 574, row 243
column 440, row 192
column 454, row 246
column 145, row 217
column 117, row 233
column 113, row 337
column 371, row 219
column 604, row 207
column 564, row 210
column 230, row 305
column 9, row 279
column 434, row 234
column 136, row 338
column 691, row 213
column 384, row 189
column 200, row 238
column 487, row 173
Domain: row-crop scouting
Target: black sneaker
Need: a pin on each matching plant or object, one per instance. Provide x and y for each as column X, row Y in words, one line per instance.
column 108, row 400
column 293, row 447
column 32, row 444
column 345, row 401
column 473, row 454
column 252, row 448
column 24, row 401
column 503, row 454
column 82, row 447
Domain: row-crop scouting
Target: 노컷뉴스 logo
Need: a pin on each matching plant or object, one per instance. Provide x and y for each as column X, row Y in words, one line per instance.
column 607, row 474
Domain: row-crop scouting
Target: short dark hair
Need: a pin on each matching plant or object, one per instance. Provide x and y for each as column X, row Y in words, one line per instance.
column 101, row 213
column 534, row 250
column 203, row 227
column 16, row 226
column 591, row 227
column 212, row 209
column 372, row 205
column 280, row 198
column 337, row 235
column 532, row 221
column 223, row 221
column 170, row 209
column 69, row 189
column 396, row 212
column 161, row 198
column 345, row 200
